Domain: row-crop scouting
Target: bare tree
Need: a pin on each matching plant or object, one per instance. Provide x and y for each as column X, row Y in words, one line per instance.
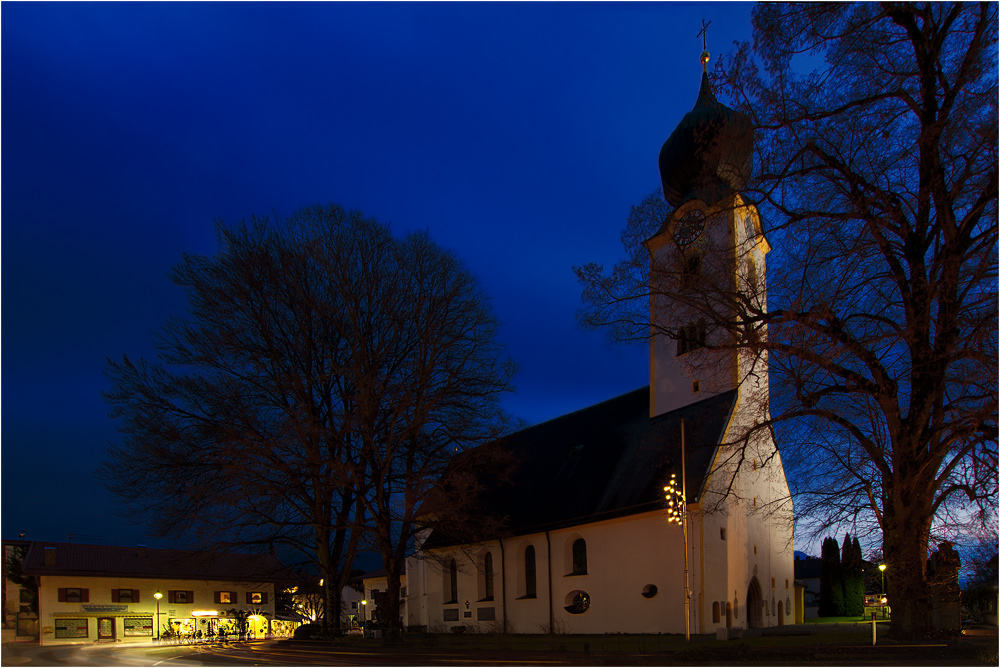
column 270, row 414
column 875, row 182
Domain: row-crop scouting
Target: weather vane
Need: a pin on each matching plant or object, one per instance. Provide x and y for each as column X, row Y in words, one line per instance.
column 704, row 43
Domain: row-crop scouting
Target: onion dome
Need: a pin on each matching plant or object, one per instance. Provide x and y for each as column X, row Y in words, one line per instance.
column 708, row 155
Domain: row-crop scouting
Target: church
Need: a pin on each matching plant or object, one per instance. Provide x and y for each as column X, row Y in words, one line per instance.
column 595, row 536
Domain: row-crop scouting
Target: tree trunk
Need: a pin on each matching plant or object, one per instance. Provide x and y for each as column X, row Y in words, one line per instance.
column 392, row 625
column 907, row 530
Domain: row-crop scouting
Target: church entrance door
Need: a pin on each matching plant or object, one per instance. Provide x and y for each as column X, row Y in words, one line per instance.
column 755, row 616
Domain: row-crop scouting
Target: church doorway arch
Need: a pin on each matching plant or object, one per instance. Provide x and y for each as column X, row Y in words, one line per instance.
column 755, row 615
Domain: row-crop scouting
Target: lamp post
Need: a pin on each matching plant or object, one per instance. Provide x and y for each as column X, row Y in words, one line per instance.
column 157, row 596
column 677, row 514
column 364, row 603
column 881, row 567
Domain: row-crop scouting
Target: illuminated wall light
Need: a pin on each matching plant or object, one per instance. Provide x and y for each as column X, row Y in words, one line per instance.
column 205, row 613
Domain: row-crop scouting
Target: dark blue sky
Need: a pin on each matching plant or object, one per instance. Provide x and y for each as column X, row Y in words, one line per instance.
column 517, row 134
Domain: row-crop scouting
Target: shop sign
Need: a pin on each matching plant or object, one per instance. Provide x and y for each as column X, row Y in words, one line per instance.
column 105, row 608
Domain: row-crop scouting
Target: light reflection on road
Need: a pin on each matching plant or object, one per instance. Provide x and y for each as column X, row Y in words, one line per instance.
column 145, row 654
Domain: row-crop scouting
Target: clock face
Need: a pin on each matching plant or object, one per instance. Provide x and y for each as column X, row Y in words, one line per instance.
column 689, row 227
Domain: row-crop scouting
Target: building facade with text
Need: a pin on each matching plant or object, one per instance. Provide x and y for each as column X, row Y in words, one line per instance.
column 100, row 593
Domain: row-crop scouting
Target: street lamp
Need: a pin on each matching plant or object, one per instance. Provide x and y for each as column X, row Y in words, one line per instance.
column 157, row 596
column 881, row 567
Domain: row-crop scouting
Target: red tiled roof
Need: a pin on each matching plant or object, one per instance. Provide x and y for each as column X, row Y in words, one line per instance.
column 140, row 562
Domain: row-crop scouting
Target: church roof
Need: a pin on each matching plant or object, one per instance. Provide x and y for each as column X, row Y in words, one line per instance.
column 708, row 155
column 605, row 461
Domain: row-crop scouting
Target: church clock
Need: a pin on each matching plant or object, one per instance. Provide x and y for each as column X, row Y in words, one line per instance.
column 689, row 227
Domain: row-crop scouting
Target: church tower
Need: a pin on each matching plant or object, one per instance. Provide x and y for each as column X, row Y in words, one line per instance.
column 707, row 258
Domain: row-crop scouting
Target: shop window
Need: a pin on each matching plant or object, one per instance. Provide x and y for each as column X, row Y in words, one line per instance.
column 138, row 626
column 74, row 595
column 530, row 581
column 579, row 557
column 71, row 628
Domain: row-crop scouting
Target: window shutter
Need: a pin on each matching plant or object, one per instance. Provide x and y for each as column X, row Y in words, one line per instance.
column 218, row 597
column 232, row 597
column 114, row 595
column 85, row 596
column 135, row 595
column 62, row 594
column 263, row 598
column 170, row 596
column 190, row 597
column 248, row 597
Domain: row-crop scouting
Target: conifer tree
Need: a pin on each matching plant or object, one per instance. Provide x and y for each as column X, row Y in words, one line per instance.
column 831, row 588
column 853, row 577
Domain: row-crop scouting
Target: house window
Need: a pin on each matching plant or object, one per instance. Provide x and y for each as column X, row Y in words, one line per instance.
column 716, row 613
column 453, row 581
column 579, row 557
column 695, row 387
column 256, row 597
column 451, row 615
column 354, row 605
column 74, row 595
column 180, row 596
column 786, row 583
column 530, row 582
column 402, row 592
column 225, row 597
column 124, row 596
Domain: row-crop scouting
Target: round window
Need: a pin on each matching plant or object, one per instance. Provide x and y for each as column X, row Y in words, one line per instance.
column 577, row 602
column 649, row 591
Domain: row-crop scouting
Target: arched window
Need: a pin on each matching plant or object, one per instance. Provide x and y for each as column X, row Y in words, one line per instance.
column 690, row 271
column 530, row 584
column 579, row 557
column 716, row 612
column 488, row 577
column 453, row 581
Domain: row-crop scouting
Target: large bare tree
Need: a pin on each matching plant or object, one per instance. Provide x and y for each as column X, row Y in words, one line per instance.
column 319, row 359
column 875, row 175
